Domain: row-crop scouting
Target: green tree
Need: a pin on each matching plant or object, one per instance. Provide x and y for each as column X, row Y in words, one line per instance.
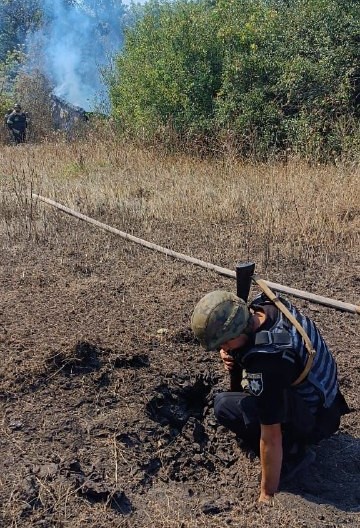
column 17, row 18
column 270, row 74
column 246, row 106
column 170, row 70
column 319, row 81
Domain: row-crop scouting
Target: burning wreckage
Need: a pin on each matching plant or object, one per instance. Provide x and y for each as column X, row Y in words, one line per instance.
column 65, row 116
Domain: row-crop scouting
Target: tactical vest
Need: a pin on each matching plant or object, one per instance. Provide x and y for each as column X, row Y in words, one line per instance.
column 17, row 121
column 321, row 385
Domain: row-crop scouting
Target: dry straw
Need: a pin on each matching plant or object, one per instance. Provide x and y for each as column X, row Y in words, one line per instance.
column 290, row 210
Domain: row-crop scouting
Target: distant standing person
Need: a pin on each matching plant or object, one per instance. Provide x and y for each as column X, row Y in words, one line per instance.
column 17, row 123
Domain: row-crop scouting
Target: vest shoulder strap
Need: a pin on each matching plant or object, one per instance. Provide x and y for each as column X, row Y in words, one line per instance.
column 281, row 306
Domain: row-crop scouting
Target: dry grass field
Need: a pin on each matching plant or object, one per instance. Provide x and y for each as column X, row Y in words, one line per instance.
column 106, row 398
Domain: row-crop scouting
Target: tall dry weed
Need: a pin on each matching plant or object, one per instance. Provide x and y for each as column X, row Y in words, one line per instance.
column 205, row 208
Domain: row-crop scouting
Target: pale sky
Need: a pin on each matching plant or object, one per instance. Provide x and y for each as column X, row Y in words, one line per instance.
column 128, row 2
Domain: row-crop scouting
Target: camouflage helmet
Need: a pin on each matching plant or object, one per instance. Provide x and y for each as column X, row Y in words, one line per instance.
column 218, row 317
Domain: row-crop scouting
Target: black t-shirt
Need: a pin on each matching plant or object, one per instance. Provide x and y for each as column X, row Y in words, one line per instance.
column 266, row 376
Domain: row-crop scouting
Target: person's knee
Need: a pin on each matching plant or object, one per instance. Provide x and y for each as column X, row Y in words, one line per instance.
column 220, row 404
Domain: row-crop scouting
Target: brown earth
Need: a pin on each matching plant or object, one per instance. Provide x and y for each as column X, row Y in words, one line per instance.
column 106, row 398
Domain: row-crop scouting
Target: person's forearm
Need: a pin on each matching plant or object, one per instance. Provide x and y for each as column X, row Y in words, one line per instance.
column 271, row 460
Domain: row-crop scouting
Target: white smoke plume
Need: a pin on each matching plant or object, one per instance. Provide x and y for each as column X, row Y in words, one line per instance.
column 76, row 43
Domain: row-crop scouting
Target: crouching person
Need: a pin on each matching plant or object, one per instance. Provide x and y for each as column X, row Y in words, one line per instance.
column 281, row 399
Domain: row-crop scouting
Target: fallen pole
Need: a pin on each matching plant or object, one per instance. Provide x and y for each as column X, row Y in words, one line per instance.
column 326, row 301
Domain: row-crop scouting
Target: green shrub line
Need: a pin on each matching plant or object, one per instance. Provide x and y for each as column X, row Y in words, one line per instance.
column 262, row 77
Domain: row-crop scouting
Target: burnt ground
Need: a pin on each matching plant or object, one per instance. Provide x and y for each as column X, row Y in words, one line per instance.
column 106, row 398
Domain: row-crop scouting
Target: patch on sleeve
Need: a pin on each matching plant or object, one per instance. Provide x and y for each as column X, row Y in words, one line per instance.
column 255, row 383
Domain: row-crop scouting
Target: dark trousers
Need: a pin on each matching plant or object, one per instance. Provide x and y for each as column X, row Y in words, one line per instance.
column 238, row 412
column 19, row 137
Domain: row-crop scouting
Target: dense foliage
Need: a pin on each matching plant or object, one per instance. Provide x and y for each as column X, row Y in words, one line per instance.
column 17, row 18
column 268, row 76
column 58, row 45
column 262, row 77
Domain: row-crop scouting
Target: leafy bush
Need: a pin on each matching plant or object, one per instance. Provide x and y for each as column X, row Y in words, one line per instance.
column 270, row 75
column 17, row 18
column 168, row 74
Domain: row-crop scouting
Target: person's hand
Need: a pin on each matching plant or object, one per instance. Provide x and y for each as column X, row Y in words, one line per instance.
column 266, row 499
column 227, row 360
